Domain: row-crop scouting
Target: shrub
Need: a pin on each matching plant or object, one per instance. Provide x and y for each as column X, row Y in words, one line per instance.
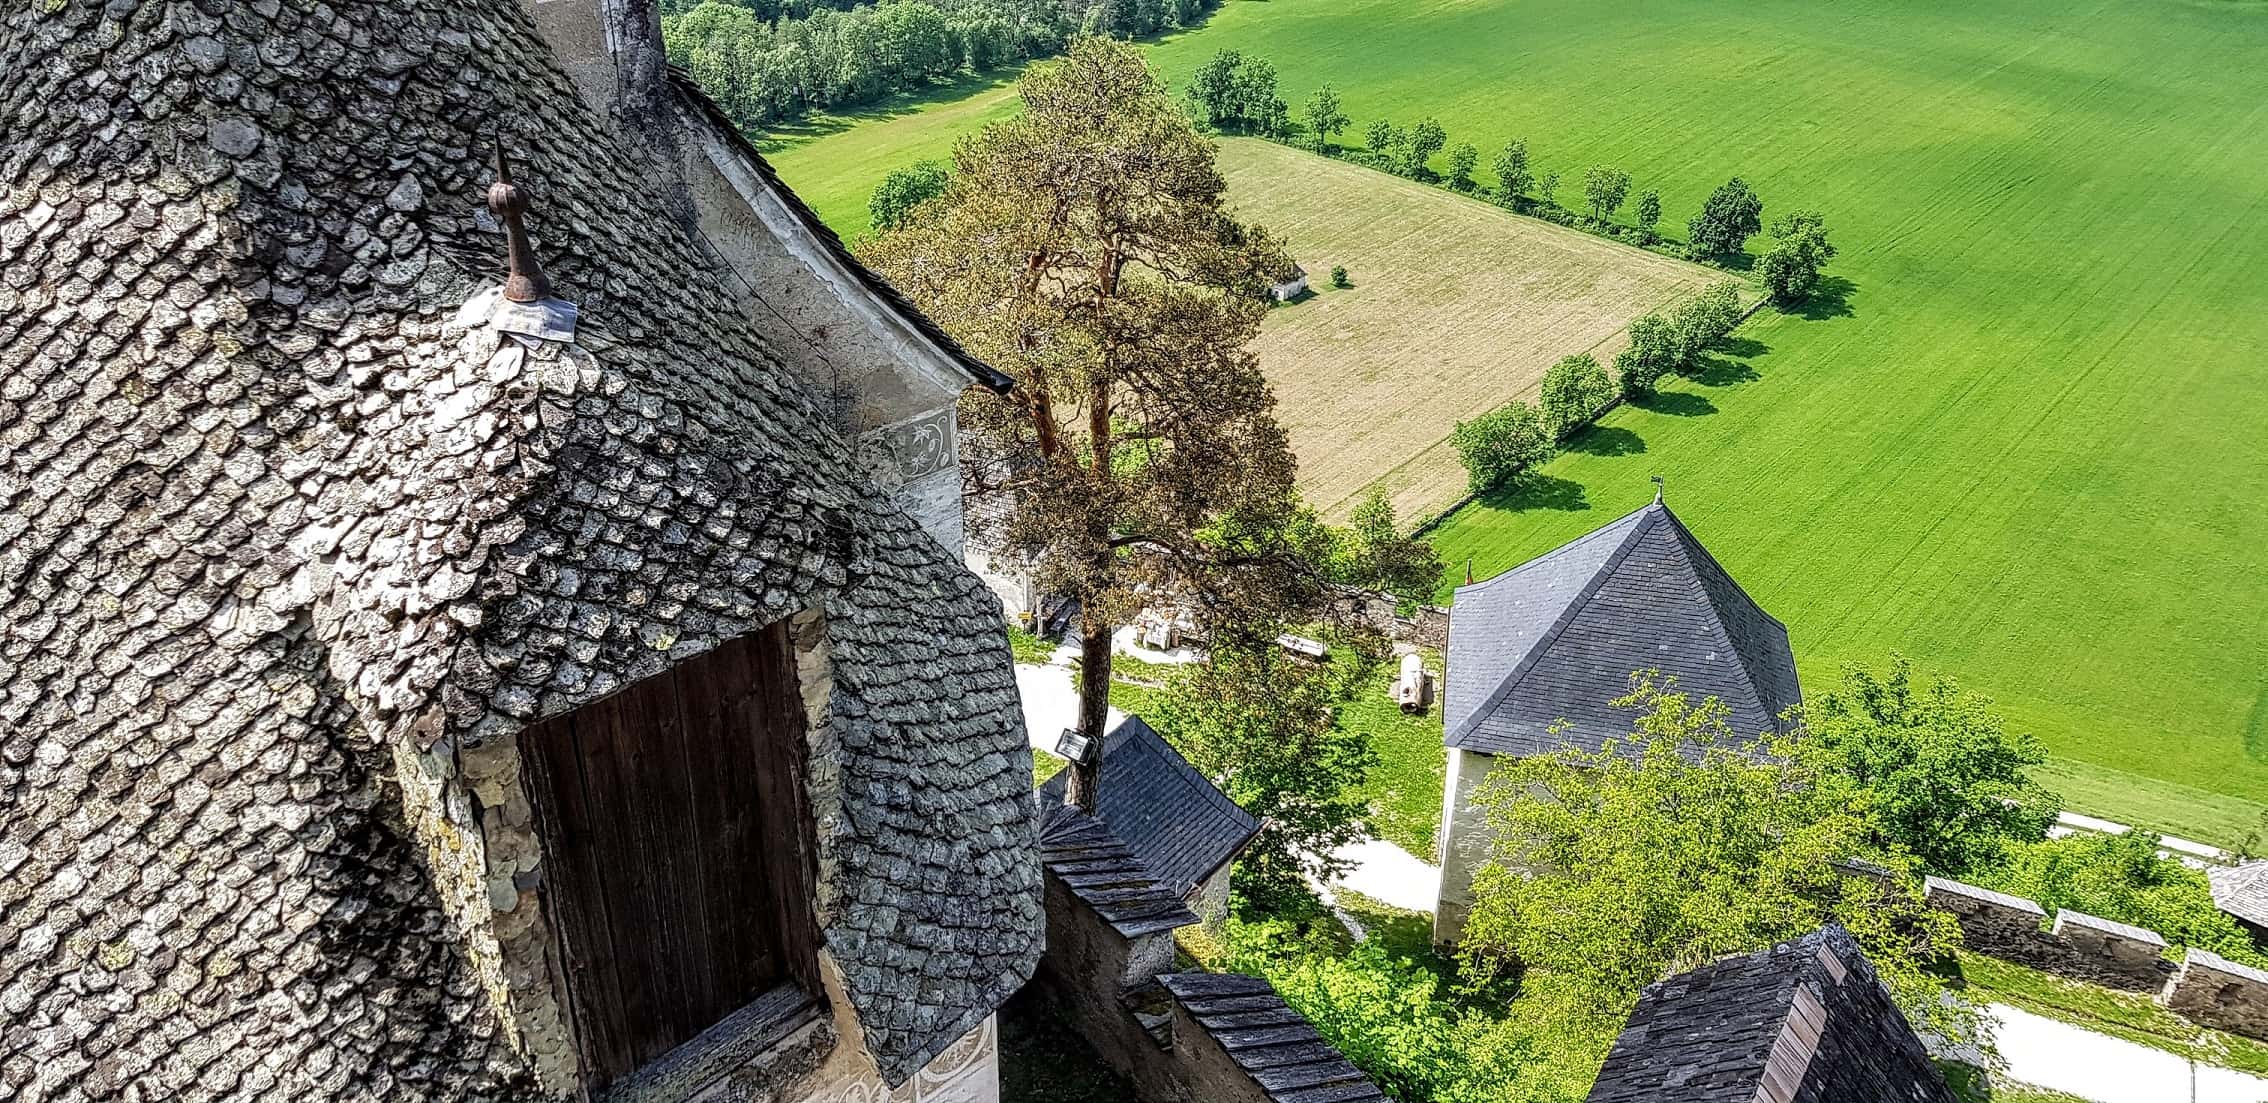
column 1501, row 446
column 2124, row 879
column 1339, row 276
column 1574, row 390
column 1649, row 216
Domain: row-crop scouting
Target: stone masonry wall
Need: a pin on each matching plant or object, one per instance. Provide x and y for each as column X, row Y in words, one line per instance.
column 2213, row 991
column 2079, row 946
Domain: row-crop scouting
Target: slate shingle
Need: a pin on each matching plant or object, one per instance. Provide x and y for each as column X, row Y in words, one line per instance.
column 1180, row 825
column 1807, row 1021
column 1269, row 1041
column 1558, row 637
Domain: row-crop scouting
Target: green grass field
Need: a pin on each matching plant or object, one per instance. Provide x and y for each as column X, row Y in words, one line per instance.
column 2027, row 439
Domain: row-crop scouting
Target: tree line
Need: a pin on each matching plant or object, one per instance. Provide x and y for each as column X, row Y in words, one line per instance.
column 765, row 61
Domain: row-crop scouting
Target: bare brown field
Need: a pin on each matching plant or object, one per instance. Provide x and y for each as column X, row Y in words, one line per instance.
column 1457, row 306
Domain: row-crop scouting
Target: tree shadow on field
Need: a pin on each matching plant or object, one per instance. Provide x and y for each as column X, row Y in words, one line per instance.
column 1677, row 404
column 1831, row 299
column 1606, row 440
column 1538, row 491
column 1719, row 371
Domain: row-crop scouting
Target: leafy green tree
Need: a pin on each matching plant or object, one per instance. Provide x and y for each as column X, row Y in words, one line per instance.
column 1513, row 178
column 1790, row 268
column 1500, row 447
column 2125, row 879
column 1462, row 158
column 1425, row 139
column 1652, row 353
column 1261, row 725
column 1547, row 189
column 1083, row 247
column 1951, row 785
column 1253, row 103
column 1339, row 277
column 1324, row 116
column 1573, row 390
column 1682, row 844
column 1700, row 322
column 1727, row 220
column 1381, row 137
column 1649, row 215
column 903, row 190
column 1212, row 88
column 1604, row 189
column 1380, row 556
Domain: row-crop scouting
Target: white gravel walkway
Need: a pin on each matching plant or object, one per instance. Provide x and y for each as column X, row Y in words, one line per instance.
column 2058, row 1056
column 1051, row 703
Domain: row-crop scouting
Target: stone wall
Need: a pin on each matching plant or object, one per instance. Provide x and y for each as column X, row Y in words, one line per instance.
column 1428, row 626
column 2213, row 991
column 2077, row 945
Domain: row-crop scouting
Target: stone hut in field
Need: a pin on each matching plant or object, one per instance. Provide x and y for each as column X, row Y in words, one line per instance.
column 1291, row 286
column 416, row 689
column 1537, row 653
column 1806, row 1021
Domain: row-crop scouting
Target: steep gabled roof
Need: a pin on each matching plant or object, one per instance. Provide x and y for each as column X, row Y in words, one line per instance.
column 1166, row 812
column 1806, row 1021
column 1099, row 869
column 1558, row 637
column 2242, row 890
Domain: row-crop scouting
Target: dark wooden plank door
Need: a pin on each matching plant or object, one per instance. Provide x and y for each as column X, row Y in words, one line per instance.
column 678, row 848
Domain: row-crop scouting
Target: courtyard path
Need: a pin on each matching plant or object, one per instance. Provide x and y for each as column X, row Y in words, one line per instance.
column 2061, row 1057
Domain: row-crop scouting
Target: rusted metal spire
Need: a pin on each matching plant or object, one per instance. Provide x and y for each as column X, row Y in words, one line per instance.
column 1657, row 490
column 508, row 201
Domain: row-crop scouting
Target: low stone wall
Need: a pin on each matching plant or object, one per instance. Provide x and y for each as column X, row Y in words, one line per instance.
column 2079, row 946
column 2213, row 991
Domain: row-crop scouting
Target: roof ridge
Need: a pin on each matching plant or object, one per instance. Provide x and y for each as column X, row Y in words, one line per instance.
column 1753, row 677
column 1531, row 561
column 1542, row 645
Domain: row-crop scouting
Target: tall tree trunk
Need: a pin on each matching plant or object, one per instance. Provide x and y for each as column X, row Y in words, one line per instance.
column 1094, row 706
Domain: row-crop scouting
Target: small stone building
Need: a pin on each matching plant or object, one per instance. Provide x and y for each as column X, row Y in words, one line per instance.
column 1537, row 653
column 1182, row 827
column 1292, row 286
column 415, row 691
column 1806, row 1021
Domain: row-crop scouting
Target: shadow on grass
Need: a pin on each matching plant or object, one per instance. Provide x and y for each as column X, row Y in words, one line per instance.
column 1539, row 492
column 1677, row 404
column 1831, row 299
column 790, row 133
column 1718, row 371
column 1606, row 440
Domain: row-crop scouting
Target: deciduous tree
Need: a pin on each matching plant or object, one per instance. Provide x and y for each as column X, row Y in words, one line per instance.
column 1425, row 139
column 1323, row 116
column 903, row 190
column 1212, row 88
column 1261, row 724
column 1500, row 447
column 1547, row 189
column 1381, row 137
column 1649, row 215
column 1790, row 268
column 1679, row 845
column 1951, row 784
column 1603, row 190
column 1083, row 248
column 1461, row 160
column 1513, row 178
column 1573, row 390
column 1727, row 220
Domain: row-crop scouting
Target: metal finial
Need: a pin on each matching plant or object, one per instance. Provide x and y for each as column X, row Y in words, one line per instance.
column 508, row 201
column 1468, row 570
column 1657, row 490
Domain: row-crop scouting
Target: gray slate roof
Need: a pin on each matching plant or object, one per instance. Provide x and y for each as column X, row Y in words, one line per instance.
column 281, row 543
column 2242, row 890
column 1806, row 1021
column 1558, row 637
column 1168, row 814
column 1099, row 869
column 1269, row 1041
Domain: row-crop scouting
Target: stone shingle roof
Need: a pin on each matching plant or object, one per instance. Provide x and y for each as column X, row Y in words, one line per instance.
column 1806, row 1021
column 283, row 544
column 2242, row 890
column 1181, row 826
column 1269, row 1041
column 1099, row 869
column 1557, row 638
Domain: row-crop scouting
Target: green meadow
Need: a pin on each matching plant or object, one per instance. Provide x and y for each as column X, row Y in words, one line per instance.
column 2024, row 438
